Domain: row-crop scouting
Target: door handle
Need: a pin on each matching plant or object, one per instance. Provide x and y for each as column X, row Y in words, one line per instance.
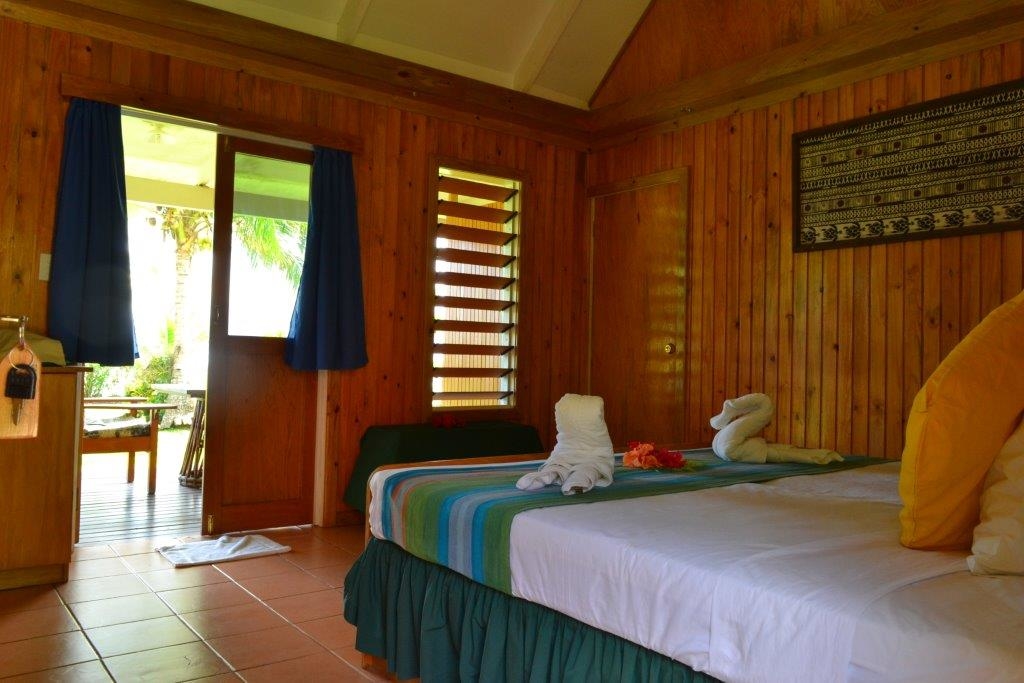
column 670, row 348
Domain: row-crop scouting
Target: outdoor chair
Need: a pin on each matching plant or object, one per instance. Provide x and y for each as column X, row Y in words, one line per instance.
column 135, row 429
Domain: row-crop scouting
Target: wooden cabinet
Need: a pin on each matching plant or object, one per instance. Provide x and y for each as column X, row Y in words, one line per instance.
column 38, row 487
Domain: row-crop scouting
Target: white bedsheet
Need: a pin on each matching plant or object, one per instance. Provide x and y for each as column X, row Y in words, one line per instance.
column 801, row 579
column 958, row 627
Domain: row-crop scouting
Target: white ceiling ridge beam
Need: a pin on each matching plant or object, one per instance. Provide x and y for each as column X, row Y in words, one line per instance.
column 352, row 16
column 544, row 41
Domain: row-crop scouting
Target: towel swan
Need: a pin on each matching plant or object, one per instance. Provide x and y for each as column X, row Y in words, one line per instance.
column 747, row 415
column 583, row 457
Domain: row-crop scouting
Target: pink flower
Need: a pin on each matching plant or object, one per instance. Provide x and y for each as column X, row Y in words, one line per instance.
column 645, row 455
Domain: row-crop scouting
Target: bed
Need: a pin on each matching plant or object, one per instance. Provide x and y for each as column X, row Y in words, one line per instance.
column 765, row 573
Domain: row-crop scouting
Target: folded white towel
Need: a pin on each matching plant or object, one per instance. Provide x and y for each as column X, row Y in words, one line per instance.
column 747, row 415
column 223, row 549
column 778, row 452
column 582, row 458
column 739, row 420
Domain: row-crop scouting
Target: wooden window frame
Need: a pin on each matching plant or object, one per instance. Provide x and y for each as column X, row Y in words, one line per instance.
column 509, row 412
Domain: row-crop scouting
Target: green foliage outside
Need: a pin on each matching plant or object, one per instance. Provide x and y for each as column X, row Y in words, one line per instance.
column 138, row 379
column 273, row 243
column 96, row 381
column 157, row 371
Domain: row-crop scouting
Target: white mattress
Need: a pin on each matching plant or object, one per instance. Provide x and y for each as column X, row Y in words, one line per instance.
column 801, row 579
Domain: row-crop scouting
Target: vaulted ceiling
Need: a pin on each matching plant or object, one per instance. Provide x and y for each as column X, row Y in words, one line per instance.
column 584, row 73
column 562, row 50
column 556, row 49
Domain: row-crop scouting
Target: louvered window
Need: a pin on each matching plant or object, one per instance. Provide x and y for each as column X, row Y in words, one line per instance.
column 475, row 307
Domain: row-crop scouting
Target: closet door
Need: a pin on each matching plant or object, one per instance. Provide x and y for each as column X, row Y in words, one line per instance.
column 261, row 418
column 638, row 308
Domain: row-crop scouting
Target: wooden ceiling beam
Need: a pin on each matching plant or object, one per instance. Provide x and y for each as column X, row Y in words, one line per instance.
column 199, row 110
column 900, row 39
column 210, row 36
column 906, row 37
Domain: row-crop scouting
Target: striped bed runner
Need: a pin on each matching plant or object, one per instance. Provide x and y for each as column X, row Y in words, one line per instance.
column 462, row 517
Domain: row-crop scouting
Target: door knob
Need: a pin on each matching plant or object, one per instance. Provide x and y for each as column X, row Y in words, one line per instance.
column 670, row 348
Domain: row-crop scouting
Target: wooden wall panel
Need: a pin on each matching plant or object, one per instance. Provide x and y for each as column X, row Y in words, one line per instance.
column 842, row 340
column 392, row 184
column 677, row 41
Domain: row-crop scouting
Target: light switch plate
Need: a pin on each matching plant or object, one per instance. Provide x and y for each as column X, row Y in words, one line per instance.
column 44, row 267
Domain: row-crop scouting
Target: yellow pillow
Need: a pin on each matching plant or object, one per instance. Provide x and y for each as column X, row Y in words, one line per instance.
column 960, row 419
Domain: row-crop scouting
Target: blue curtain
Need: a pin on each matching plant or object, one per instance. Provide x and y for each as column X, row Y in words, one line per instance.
column 90, row 298
column 326, row 330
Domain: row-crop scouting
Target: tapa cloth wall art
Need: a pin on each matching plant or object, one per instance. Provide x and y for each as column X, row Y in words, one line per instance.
column 951, row 166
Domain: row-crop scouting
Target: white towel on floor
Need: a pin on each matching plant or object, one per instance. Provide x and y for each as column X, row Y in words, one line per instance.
column 582, row 458
column 223, row 549
column 741, row 418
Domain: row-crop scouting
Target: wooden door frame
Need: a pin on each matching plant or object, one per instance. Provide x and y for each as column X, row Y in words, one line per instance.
column 595, row 192
column 326, row 494
column 227, row 148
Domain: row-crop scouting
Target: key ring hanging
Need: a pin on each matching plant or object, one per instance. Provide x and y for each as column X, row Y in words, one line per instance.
column 26, row 347
column 22, row 320
column 22, row 345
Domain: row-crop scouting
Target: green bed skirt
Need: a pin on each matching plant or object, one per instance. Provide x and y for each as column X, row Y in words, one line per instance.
column 429, row 622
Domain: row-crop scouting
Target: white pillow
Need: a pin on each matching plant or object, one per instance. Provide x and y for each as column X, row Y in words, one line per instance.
column 999, row 538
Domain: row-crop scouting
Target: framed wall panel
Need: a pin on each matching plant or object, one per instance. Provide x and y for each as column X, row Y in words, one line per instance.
column 949, row 166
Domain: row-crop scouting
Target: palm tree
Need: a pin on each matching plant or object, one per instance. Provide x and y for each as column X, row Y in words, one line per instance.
column 192, row 231
column 271, row 242
column 274, row 243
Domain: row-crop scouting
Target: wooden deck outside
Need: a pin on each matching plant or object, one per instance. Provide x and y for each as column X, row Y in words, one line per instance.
column 112, row 509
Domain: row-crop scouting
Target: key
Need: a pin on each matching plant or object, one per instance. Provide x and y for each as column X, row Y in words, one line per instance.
column 20, row 386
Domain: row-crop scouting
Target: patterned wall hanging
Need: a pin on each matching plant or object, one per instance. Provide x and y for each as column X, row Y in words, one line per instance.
column 951, row 166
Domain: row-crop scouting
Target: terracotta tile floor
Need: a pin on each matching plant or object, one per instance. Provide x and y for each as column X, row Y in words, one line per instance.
column 128, row 615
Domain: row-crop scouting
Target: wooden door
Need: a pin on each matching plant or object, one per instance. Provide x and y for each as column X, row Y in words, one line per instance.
column 638, row 296
column 261, row 418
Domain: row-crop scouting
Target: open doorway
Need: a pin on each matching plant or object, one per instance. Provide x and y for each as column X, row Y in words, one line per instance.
column 169, row 181
column 257, row 241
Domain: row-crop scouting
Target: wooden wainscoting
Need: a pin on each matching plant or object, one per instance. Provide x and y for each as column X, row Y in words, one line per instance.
column 841, row 340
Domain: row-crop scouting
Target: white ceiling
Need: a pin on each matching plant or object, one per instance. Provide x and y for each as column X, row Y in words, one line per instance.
column 555, row 49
